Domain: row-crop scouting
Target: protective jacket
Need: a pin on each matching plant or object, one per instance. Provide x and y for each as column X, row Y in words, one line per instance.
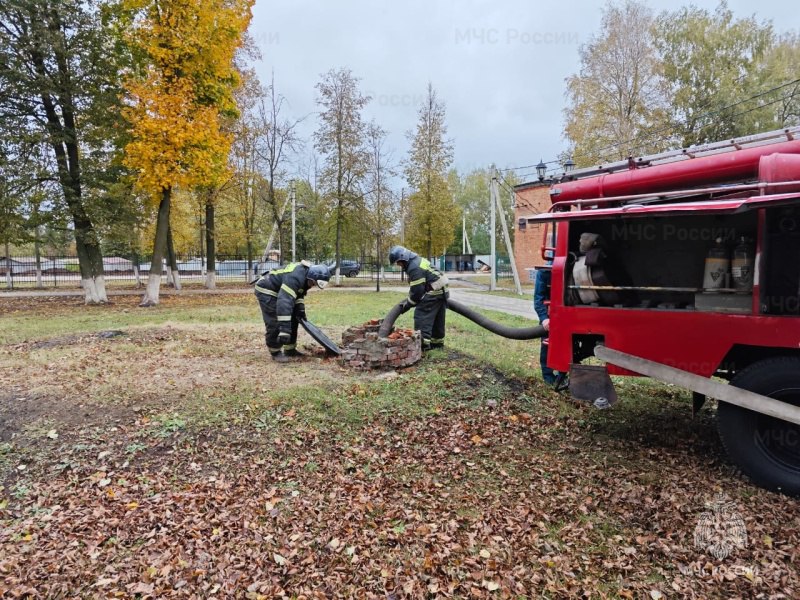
column 287, row 286
column 424, row 279
column 541, row 294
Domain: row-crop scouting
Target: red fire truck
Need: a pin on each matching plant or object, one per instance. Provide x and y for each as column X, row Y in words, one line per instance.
column 685, row 267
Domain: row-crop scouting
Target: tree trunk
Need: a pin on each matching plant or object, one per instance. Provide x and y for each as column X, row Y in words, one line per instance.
column 338, row 240
column 173, row 261
column 249, row 258
column 136, row 274
column 211, row 247
column 9, row 282
column 65, row 147
column 38, row 254
column 159, row 250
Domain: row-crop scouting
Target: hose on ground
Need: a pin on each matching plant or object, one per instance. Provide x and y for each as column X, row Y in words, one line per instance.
column 512, row 333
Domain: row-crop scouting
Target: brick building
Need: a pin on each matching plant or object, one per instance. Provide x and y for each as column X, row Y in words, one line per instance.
column 530, row 199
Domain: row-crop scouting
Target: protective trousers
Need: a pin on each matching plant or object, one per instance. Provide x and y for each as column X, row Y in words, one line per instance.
column 269, row 313
column 429, row 318
column 548, row 374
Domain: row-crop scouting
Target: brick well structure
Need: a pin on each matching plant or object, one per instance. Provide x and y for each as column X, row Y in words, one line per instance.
column 363, row 349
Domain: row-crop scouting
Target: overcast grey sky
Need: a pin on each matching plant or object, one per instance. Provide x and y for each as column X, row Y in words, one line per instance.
column 499, row 66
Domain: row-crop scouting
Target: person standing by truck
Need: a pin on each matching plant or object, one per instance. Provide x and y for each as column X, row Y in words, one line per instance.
column 427, row 294
column 541, row 305
column 281, row 295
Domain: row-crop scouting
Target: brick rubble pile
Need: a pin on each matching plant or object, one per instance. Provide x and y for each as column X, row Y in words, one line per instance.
column 362, row 349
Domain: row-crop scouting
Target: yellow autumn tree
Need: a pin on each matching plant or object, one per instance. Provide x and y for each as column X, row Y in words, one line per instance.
column 177, row 96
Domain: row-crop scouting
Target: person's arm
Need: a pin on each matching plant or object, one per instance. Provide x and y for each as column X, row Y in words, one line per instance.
column 292, row 289
column 300, row 307
column 416, row 279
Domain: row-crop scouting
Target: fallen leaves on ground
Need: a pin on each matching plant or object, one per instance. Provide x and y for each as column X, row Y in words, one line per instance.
column 516, row 499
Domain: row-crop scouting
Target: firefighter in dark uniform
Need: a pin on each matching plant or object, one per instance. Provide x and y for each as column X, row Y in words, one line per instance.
column 427, row 294
column 541, row 305
column 282, row 294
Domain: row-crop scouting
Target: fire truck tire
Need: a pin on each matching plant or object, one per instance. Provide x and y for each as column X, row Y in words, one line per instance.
column 766, row 449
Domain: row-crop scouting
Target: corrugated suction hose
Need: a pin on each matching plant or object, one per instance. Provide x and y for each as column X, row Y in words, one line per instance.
column 512, row 333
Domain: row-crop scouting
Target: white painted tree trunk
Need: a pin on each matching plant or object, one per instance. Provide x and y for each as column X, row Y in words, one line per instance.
column 170, row 278
column 94, row 290
column 8, row 275
column 138, row 276
column 211, row 280
column 39, row 283
column 338, row 276
column 151, row 292
column 176, row 280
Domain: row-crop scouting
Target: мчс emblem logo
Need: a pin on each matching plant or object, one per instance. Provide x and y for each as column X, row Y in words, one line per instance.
column 721, row 530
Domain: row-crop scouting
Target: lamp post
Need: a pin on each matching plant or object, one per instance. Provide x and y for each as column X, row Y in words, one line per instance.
column 292, row 191
column 377, row 234
column 569, row 165
column 541, row 170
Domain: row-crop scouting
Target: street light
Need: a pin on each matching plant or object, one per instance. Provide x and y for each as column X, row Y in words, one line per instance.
column 569, row 166
column 541, row 170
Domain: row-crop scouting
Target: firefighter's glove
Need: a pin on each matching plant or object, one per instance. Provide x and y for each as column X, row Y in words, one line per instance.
column 299, row 312
column 284, row 337
column 405, row 306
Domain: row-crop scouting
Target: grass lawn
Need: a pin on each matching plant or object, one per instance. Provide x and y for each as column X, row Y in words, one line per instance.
column 174, row 459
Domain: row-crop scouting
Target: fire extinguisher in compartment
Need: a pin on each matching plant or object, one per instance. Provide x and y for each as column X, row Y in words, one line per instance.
column 718, row 264
column 742, row 266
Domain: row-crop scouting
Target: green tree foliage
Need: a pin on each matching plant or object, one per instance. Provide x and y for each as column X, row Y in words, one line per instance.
column 315, row 239
column 340, row 140
column 471, row 192
column 688, row 76
column 782, row 63
column 381, row 203
column 712, row 61
column 617, row 98
column 57, row 86
column 432, row 212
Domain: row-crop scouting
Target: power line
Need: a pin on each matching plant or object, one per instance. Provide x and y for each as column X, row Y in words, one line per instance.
column 672, row 128
column 648, row 136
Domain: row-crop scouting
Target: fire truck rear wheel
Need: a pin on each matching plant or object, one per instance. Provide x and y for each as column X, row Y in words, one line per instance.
column 766, row 449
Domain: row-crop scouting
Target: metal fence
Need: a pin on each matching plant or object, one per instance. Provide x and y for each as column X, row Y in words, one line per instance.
column 22, row 272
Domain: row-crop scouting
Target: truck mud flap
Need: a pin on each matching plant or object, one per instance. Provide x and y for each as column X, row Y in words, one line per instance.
column 592, row 384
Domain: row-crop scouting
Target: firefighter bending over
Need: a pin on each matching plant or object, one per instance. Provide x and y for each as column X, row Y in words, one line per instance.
column 427, row 294
column 281, row 294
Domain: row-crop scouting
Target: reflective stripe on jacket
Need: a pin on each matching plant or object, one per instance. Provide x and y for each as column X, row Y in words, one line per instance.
column 421, row 276
column 288, row 286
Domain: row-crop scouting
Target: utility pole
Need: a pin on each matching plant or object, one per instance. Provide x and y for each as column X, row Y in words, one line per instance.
column 293, row 190
column 493, row 234
column 402, row 224
column 463, row 232
column 273, row 233
column 507, row 238
column 403, row 216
